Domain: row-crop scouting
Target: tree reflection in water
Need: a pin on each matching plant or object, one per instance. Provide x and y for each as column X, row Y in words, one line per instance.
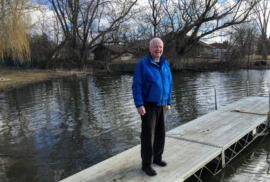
column 51, row 130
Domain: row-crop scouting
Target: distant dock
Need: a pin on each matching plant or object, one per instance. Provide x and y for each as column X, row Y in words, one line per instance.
column 204, row 145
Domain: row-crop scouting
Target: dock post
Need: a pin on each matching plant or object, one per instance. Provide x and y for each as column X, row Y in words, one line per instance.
column 247, row 88
column 269, row 110
column 215, row 98
column 223, row 162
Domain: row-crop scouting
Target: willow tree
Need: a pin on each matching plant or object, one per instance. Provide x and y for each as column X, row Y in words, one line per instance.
column 15, row 29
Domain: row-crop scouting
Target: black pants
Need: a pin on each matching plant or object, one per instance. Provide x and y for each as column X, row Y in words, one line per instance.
column 153, row 133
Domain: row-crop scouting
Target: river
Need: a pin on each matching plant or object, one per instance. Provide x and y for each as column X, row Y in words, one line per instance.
column 51, row 130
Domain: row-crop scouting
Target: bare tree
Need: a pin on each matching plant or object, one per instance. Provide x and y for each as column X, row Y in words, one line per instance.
column 87, row 23
column 262, row 14
column 100, row 21
column 67, row 14
column 198, row 18
column 150, row 18
column 243, row 41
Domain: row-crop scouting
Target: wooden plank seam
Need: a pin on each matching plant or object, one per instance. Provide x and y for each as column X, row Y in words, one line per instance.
column 194, row 141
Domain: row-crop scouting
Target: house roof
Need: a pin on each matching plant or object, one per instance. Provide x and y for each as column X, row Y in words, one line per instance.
column 112, row 48
column 223, row 45
column 93, row 48
column 204, row 44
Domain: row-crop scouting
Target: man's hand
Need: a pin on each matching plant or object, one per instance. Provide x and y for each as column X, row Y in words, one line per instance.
column 168, row 107
column 141, row 110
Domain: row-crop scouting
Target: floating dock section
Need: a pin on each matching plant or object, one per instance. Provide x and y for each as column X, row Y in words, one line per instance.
column 204, row 145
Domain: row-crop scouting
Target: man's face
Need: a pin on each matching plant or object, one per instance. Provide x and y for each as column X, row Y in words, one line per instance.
column 156, row 49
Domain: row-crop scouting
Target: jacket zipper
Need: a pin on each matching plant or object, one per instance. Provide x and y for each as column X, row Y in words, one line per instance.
column 161, row 80
column 148, row 91
column 162, row 84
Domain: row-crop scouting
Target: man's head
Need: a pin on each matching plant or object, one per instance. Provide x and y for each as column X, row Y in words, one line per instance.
column 156, row 48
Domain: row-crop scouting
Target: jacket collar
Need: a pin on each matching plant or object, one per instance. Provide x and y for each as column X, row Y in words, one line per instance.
column 162, row 59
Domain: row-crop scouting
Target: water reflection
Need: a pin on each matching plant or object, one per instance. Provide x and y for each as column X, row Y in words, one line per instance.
column 251, row 165
column 52, row 130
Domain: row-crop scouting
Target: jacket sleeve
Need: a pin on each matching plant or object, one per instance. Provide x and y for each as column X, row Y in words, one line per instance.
column 138, row 80
column 170, row 91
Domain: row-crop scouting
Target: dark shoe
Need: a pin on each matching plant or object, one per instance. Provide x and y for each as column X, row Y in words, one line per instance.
column 149, row 170
column 160, row 163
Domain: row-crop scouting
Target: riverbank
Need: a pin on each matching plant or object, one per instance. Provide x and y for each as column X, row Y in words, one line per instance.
column 206, row 66
column 11, row 78
column 197, row 64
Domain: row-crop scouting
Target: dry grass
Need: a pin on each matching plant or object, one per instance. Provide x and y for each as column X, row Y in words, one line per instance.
column 15, row 78
column 244, row 61
column 257, row 57
column 250, row 60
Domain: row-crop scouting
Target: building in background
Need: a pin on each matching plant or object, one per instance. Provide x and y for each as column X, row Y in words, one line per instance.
column 220, row 49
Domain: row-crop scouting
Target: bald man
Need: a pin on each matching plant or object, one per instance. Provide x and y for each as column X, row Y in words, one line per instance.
column 152, row 90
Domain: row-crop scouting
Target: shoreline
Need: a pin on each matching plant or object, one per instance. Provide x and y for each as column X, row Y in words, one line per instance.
column 199, row 66
column 13, row 78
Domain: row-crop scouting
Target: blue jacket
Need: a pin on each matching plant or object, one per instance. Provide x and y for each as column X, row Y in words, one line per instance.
column 151, row 83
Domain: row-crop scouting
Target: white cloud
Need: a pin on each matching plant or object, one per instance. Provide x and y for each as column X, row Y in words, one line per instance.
column 44, row 21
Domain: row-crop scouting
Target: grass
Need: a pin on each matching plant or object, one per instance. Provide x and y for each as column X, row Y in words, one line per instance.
column 257, row 57
column 11, row 78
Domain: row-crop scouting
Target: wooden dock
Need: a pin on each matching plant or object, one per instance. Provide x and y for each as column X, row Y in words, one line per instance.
column 207, row 143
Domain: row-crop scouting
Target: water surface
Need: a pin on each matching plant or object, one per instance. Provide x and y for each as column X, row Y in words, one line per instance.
column 54, row 129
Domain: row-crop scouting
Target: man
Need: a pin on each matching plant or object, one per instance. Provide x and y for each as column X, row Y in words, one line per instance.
column 152, row 89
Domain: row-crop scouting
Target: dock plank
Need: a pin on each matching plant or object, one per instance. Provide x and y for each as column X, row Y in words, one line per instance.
column 127, row 165
column 187, row 154
column 223, row 127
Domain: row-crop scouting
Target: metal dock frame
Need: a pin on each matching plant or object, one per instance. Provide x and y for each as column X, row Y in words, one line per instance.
column 227, row 155
column 206, row 144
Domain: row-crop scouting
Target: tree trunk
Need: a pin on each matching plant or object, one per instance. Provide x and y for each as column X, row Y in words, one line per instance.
column 83, row 58
column 58, row 48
